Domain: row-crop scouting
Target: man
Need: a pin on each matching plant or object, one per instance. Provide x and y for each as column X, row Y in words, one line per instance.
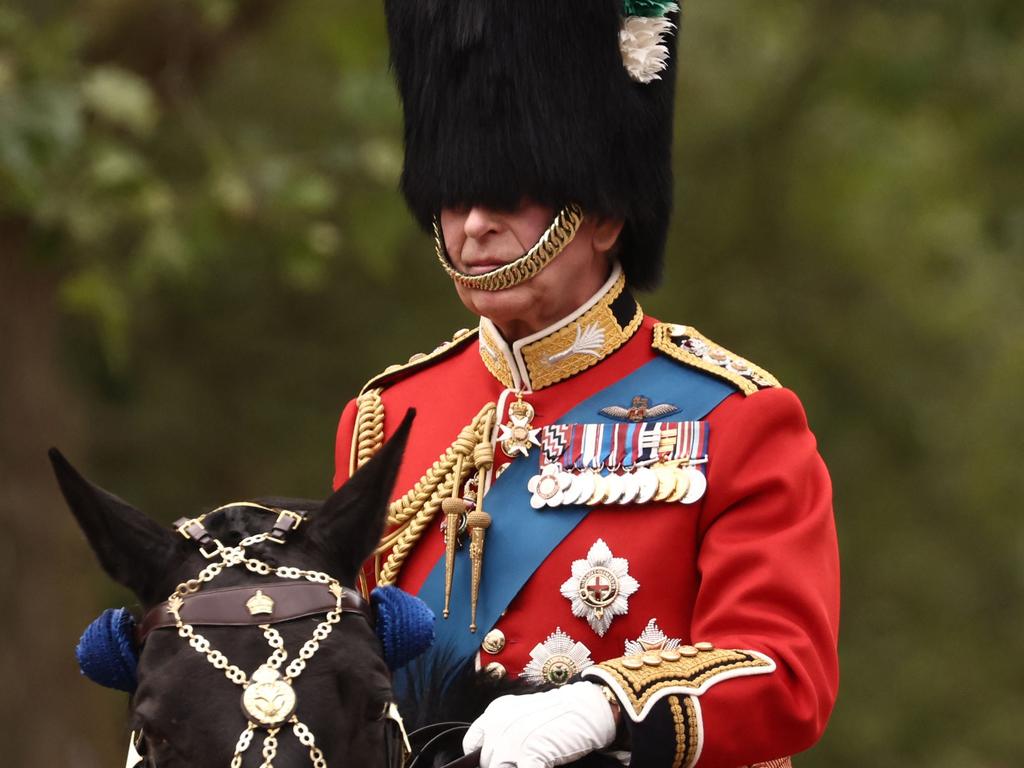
column 590, row 499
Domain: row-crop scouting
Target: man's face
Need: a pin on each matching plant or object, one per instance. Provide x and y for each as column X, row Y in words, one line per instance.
column 481, row 239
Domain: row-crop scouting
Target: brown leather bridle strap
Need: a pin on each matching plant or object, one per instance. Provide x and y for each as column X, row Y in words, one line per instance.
column 230, row 606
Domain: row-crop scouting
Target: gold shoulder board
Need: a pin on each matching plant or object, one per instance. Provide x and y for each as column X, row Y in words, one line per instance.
column 687, row 345
column 419, row 360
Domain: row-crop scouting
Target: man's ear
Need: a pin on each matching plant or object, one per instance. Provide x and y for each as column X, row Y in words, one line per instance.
column 606, row 232
column 350, row 523
column 133, row 549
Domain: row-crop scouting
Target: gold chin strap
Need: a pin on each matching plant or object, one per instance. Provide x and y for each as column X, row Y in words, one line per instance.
column 561, row 232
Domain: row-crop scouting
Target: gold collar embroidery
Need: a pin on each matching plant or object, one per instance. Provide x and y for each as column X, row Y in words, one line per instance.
column 570, row 346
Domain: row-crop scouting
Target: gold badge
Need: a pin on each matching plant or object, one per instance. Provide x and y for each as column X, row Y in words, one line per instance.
column 518, row 435
column 268, row 700
column 260, row 604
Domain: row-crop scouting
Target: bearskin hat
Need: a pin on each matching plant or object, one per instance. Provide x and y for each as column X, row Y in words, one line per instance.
column 559, row 101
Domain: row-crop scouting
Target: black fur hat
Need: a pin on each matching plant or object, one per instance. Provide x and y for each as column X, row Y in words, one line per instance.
column 506, row 99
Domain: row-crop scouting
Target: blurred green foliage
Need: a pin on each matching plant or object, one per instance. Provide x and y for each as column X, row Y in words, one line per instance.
column 211, row 186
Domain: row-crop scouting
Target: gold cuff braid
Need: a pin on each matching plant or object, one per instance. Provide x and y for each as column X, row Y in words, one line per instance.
column 641, row 681
column 551, row 243
column 687, row 731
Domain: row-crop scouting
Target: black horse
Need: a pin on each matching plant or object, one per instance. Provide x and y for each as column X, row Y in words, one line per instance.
column 188, row 710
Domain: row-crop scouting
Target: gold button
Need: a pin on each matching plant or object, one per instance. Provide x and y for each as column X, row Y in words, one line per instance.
column 496, row 670
column 670, row 655
column 651, row 660
column 704, row 646
column 689, row 651
column 494, row 642
column 632, row 663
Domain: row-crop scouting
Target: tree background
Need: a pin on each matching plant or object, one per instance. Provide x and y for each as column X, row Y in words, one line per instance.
column 203, row 256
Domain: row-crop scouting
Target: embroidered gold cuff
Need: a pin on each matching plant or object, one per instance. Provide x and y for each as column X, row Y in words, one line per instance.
column 686, row 722
column 641, row 681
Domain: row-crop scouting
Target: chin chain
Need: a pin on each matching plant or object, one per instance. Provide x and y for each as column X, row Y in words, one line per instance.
column 551, row 243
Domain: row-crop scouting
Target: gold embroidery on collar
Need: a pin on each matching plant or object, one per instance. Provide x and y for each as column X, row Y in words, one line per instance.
column 494, row 359
column 569, row 349
column 586, row 341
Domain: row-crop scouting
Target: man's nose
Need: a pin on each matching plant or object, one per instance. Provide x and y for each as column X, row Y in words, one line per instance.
column 481, row 221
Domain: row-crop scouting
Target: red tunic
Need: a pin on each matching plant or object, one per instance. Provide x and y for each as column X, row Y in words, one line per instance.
column 753, row 565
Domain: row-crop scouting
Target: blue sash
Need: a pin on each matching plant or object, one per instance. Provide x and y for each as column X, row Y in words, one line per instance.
column 521, row 537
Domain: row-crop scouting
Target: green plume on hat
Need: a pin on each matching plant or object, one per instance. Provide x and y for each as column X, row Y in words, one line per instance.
column 649, row 8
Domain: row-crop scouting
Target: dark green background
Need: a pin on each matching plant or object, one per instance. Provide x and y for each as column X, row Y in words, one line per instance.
column 203, row 256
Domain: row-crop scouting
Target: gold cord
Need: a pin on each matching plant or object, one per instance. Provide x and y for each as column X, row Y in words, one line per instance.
column 414, row 511
column 368, row 431
column 554, row 240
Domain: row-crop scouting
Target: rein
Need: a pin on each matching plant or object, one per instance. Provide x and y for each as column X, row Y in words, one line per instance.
column 268, row 696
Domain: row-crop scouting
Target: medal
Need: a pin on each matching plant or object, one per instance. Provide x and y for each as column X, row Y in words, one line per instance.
column 518, row 435
column 647, row 482
column 613, row 484
column 547, row 487
column 600, row 488
column 583, row 486
column 666, row 481
column 682, row 484
column 630, row 488
column 698, row 485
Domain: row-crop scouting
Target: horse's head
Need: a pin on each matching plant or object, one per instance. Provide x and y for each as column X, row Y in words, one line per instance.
column 212, row 642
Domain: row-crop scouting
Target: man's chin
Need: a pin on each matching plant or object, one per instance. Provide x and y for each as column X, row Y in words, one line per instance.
column 498, row 306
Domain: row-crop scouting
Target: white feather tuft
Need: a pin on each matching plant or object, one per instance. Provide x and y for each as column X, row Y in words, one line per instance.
column 642, row 43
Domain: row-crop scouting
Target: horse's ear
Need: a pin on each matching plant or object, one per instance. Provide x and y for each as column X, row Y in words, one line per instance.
column 134, row 550
column 351, row 522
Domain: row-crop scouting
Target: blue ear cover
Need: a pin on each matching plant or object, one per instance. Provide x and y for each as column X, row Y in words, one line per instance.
column 405, row 625
column 106, row 653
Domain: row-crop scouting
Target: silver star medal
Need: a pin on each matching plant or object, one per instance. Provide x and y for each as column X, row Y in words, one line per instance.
column 556, row 660
column 651, row 639
column 518, row 435
column 599, row 587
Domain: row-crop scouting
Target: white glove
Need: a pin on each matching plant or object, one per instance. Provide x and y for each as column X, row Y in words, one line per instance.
column 540, row 730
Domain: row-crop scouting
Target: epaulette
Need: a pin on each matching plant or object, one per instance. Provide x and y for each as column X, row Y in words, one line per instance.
column 420, row 360
column 690, row 347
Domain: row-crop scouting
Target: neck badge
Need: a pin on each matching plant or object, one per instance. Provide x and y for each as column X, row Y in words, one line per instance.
column 518, row 435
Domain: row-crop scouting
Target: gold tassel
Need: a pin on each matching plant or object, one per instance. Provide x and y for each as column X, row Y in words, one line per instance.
column 454, row 508
column 478, row 522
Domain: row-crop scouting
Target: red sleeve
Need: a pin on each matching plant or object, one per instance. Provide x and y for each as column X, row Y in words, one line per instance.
column 343, row 444
column 768, row 565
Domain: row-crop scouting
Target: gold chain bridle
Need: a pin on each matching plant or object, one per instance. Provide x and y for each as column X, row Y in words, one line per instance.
column 554, row 240
column 268, row 697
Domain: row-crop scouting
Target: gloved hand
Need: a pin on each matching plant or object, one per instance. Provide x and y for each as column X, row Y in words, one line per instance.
column 540, row 730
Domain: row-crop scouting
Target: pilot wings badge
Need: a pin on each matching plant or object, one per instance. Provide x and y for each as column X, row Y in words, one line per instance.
column 639, row 410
